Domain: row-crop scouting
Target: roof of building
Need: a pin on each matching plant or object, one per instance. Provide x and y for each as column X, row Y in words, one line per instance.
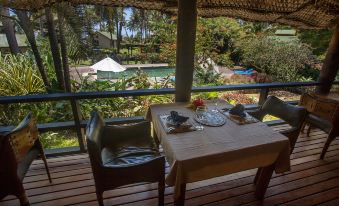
column 285, row 32
column 107, row 34
column 284, row 38
column 311, row 14
column 21, row 39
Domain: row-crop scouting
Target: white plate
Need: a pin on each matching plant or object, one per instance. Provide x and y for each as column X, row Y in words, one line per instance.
column 213, row 119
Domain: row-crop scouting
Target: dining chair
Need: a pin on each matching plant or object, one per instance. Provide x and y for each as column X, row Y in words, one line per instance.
column 293, row 115
column 123, row 154
column 322, row 114
column 18, row 150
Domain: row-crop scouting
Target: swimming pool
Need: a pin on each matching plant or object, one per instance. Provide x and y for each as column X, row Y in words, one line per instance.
column 151, row 72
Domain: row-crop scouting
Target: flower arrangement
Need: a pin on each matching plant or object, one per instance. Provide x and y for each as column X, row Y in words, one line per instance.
column 197, row 103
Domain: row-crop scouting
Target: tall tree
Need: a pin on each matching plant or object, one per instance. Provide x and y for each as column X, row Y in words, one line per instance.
column 119, row 19
column 9, row 30
column 26, row 25
column 63, row 50
column 53, row 39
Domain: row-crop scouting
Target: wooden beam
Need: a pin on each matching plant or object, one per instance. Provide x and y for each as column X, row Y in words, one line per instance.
column 331, row 64
column 186, row 29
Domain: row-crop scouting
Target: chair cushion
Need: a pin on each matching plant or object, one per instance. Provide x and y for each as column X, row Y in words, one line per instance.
column 127, row 155
column 319, row 122
column 26, row 162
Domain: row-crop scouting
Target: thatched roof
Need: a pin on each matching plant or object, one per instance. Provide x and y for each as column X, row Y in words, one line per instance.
column 300, row 13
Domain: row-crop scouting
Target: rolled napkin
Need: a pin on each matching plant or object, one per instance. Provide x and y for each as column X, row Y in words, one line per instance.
column 238, row 110
column 176, row 119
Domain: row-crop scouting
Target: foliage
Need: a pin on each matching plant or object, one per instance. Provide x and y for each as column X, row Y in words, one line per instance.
column 125, row 106
column 164, row 34
column 58, row 139
column 282, row 61
column 205, row 76
column 19, row 76
column 237, row 98
column 239, row 79
column 318, row 40
column 216, row 39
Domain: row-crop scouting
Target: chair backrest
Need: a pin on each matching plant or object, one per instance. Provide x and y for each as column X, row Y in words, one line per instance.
column 94, row 130
column 293, row 115
column 125, row 134
column 23, row 137
column 324, row 108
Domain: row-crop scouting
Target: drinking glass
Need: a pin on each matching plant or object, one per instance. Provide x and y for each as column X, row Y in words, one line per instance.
column 215, row 109
column 200, row 111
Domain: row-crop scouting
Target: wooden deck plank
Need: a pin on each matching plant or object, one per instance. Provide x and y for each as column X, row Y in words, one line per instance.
column 334, row 202
column 311, row 181
column 316, row 198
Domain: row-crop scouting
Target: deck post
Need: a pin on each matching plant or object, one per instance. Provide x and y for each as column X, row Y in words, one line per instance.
column 331, row 64
column 186, row 29
column 263, row 95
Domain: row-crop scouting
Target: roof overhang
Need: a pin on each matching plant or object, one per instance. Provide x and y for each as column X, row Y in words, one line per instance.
column 308, row 14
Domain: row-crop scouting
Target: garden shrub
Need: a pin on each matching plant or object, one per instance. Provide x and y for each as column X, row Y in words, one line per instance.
column 237, row 98
column 283, row 61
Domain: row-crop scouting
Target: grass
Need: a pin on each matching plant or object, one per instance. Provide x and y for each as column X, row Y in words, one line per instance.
column 51, row 140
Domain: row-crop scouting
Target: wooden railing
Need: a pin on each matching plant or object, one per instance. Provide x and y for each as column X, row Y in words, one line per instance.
column 79, row 124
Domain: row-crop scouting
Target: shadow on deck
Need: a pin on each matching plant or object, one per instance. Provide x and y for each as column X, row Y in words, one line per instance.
column 310, row 182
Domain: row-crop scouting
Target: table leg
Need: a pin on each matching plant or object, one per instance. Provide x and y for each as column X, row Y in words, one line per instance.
column 155, row 137
column 263, row 181
column 180, row 200
column 257, row 175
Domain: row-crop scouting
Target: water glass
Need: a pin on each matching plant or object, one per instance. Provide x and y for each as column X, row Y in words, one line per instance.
column 200, row 111
column 215, row 109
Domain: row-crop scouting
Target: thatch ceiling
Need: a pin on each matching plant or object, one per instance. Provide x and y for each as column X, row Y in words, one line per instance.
column 308, row 14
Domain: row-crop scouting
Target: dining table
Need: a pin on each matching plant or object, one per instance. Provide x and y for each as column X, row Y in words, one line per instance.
column 215, row 151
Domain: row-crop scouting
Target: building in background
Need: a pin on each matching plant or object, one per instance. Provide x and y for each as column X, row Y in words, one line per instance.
column 104, row 40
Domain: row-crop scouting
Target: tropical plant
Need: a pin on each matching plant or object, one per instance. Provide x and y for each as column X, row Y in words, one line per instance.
column 19, row 76
column 206, row 76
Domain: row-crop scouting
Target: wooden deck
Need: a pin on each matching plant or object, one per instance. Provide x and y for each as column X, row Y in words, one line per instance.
column 310, row 182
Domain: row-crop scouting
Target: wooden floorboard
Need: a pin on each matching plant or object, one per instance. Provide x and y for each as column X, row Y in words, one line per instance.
column 310, row 182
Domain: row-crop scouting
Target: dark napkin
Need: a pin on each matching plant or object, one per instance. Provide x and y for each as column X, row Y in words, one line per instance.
column 238, row 110
column 177, row 119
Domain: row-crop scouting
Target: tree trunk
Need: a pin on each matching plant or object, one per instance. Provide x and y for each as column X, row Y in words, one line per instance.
column 63, row 47
column 117, row 32
column 120, row 36
column 8, row 26
column 331, row 64
column 27, row 26
column 53, row 40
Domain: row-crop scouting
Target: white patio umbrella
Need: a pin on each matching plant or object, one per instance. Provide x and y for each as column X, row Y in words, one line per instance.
column 108, row 65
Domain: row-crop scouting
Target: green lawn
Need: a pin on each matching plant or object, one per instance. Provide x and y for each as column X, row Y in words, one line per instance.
column 51, row 140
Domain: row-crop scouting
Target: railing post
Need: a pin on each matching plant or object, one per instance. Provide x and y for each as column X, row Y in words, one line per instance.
column 77, row 120
column 263, row 95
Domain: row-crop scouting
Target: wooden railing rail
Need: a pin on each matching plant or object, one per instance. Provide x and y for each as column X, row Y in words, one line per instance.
column 145, row 92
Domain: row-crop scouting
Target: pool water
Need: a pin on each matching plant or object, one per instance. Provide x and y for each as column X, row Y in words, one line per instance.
column 151, row 72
